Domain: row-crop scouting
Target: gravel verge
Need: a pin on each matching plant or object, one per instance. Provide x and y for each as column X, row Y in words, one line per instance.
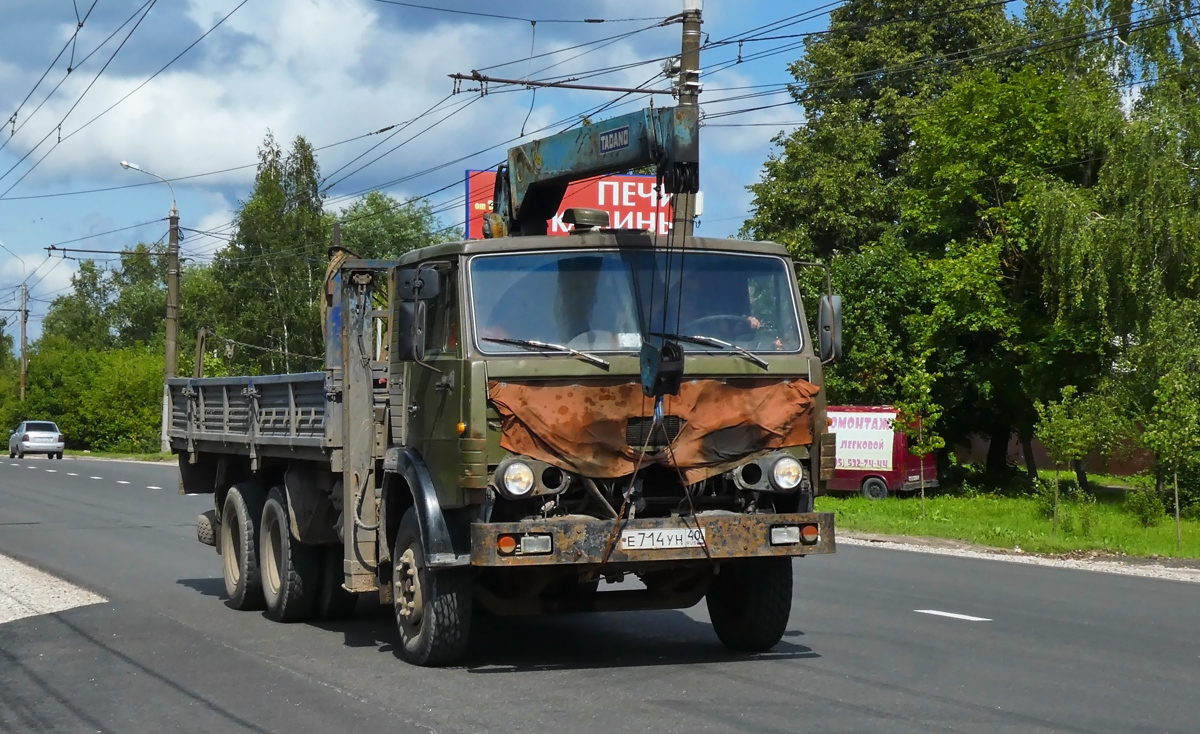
column 27, row 592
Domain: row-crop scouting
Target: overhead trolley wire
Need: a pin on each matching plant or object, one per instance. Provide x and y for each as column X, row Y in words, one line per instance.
column 149, row 6
column 155, row 74
column 480, row 14
column 70, row 67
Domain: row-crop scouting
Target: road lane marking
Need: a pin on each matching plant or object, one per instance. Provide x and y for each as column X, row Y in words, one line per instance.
column 13, row 463
column 72, row 474
column 120, row 481
column 31, row 467
column 151, row 486
column 27, row 592
column 952, row 615
column 52, row 471
column 95, row 477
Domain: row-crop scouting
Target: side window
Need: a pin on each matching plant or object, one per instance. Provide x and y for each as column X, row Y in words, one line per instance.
column 441, row 335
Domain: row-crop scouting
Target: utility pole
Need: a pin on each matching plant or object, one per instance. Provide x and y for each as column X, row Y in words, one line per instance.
column 172, row 325
column 689, row 94
column 24, row 321
column 171, row 360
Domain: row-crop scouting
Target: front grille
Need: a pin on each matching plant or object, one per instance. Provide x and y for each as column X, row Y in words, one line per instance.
column 637, row 432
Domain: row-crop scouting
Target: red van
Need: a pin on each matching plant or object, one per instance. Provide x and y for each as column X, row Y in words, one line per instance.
column 872, row 453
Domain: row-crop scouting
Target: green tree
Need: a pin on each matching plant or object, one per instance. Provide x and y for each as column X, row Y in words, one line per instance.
column 837, row 182
column 272, row 270
column 1072, row 428
column 1173, row 431
column 379, row 226
column 83, row 316
column 918, row 414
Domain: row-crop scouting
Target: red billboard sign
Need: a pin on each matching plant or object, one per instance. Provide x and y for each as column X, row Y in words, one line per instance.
column 631, row 203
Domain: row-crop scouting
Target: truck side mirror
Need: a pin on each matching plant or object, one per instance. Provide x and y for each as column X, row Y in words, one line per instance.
column 418, row 284
column 829, row 324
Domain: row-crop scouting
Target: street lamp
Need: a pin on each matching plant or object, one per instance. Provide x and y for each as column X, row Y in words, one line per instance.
column 170, row 363
column 135, row 167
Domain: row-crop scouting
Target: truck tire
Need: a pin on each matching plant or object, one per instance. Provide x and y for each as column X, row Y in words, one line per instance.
column 333, row 601
column 433, row 608
column 875, row 489
column 750, row 601
column 291, row 570
column 239, row 546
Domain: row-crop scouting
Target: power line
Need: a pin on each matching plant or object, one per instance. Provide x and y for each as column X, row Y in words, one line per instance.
column 96, row 78
column 70, row 41
column 513, row 17
column 164, row 68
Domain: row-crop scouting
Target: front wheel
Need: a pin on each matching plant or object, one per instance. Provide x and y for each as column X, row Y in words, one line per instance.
column 433, row 608
column 750, row 601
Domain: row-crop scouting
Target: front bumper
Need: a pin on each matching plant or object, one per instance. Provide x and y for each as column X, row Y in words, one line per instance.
column 583, row 540
column 39, row 447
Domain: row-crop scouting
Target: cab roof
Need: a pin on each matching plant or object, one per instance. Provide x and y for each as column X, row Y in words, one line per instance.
column 604, row 239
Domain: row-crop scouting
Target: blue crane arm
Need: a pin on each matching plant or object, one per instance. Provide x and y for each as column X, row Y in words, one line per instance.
column 531, row 185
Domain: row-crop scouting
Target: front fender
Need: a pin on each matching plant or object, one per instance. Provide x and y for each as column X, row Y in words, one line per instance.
column 443, row 548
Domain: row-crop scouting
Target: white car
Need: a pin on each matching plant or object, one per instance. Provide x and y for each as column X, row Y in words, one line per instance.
column 36, row 437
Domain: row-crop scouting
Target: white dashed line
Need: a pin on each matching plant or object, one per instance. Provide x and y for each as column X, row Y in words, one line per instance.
column 952, row 615
column 72, row 474
column 95, row 477
column 151, row 486
column 31, row 467
column 122, row 482
column 13, row 463
column 52, row 471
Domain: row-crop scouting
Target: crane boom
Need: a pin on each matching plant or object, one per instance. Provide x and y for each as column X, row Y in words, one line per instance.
column 530, row 186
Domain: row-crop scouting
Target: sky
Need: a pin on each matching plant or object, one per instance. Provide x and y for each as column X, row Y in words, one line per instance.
column 335, row 71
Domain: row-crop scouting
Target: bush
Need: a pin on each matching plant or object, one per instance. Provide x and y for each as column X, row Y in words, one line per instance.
column 1146, row 506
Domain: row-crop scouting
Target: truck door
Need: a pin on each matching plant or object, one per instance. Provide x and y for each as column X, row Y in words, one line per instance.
column 433, row 386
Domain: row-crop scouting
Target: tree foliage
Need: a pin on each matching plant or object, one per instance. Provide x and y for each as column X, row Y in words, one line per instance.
column 1012, row 197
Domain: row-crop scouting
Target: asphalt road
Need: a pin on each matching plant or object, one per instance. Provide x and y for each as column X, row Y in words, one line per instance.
column 1062, row 650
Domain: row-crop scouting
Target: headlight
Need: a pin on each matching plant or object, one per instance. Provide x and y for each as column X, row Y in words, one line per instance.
column 787, row 473
column 518, row 479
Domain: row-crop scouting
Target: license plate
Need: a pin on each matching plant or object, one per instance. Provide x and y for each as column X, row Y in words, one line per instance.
column 662, row 539
column 43, row 439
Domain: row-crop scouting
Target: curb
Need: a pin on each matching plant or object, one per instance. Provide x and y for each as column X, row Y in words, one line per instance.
column 1144, row 568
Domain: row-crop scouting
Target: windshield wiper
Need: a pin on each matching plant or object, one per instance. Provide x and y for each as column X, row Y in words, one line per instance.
column 535, row 344
column 712, row 341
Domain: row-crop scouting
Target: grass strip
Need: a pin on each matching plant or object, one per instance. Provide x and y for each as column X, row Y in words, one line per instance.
column 1008, row 522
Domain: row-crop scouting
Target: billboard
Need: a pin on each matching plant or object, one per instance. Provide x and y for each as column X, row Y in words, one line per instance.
column 629, row 201
column 864, row 439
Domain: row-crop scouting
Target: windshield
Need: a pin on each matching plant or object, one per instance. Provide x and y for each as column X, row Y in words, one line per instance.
column 604, row 301
column 48, row 427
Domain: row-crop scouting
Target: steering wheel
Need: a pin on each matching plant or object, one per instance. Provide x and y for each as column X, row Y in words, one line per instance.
column 741, row 324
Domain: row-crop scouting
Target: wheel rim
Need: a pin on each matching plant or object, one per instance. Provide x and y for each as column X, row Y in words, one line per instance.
column 875, row 491
column 406, row 588
column 231, row 551
column 273, row 574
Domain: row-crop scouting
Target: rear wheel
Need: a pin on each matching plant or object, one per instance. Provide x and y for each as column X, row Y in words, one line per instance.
column 333, row 601
column 433, row 608
column 750, row 601
column 291, row 571
column 875, row 489
column 239, row 546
